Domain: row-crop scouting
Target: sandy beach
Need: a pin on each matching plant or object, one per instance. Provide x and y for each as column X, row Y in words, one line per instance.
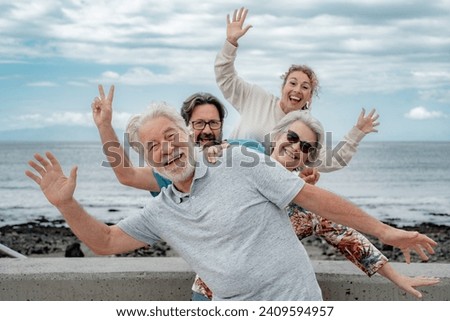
column 52, row 238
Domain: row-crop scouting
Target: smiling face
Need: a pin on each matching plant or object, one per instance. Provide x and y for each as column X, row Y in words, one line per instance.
column 168, row 148
column 296, row 92
column 207, row 135
column 289, row 154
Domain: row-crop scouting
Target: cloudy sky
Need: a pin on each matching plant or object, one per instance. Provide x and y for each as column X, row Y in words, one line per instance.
column 390, row 55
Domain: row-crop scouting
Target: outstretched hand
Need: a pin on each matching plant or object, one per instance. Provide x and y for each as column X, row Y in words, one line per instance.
column 408, row 241
column 409, row 284
column 102, row 107
column 57, row 188
column 367, row 124
column 235, row 28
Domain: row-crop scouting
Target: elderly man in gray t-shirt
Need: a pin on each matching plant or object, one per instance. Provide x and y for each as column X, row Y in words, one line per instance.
column 234, row 228
column 226, row 220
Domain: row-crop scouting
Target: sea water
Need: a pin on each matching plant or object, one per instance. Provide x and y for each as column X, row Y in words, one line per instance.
column 405, row 183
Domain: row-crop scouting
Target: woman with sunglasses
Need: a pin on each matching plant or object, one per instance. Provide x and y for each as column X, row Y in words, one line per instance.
column 260, row 111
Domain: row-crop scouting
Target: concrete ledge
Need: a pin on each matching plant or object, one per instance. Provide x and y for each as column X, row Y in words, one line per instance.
column 170, row 279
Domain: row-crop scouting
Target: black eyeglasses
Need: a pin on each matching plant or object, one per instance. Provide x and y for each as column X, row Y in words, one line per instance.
column 201, row 124
column 293, row 138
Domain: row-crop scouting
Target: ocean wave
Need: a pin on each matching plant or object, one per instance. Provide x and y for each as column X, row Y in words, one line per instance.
column 439, row 214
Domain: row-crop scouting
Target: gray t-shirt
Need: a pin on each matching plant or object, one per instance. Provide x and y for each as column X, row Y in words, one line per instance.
column 233, row 230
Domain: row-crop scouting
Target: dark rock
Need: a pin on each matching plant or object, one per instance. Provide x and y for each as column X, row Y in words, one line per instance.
column 74, row 250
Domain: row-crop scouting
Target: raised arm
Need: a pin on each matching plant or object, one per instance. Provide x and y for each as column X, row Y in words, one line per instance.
column 59, row 189
column 233, row 88
column 339, row 210
column 257, row 107
column 126, row 173
column 333, row 159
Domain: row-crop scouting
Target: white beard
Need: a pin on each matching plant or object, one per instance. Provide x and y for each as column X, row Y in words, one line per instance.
column 179, row 174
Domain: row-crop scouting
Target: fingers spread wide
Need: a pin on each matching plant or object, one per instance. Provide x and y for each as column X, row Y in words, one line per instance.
column 37, row 167
column 53, row 160
column 34, row 177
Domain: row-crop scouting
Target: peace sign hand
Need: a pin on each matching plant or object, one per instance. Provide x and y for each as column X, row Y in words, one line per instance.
column 102, row 107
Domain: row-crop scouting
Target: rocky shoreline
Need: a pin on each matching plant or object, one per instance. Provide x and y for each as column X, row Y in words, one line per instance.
column 52, row 238
column 43, row 237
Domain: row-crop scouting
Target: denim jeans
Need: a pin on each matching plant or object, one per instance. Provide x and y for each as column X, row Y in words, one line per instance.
column 198, row 297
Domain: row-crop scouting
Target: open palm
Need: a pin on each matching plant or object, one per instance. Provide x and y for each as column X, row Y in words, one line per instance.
column 57, row 188
column 368, row 124
column 409, row 241
column 235, row 29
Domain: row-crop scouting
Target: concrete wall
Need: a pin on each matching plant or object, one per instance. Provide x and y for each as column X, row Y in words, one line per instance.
column 161, row 279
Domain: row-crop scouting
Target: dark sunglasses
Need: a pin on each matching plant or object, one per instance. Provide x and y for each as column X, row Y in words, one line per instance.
column 293, row 138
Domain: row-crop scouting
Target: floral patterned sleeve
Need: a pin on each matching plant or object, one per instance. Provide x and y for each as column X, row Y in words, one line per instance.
column 201, row 288
column 352, row 244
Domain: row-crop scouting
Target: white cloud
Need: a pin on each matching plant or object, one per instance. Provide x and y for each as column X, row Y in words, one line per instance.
column 120, row 120
column 25, row 10
column 42, row 84
column 432, row 75
column 421, row 113
column 39, row 120
column 140, row 76
column 441, row 95
column 65, row 118
column 77, row 83
column 110, row 75
column 374, row 45
column 137, row 76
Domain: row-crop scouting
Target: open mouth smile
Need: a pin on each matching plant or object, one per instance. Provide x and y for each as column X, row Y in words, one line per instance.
column 291, row 154
column 173, row 159
column 294, row 99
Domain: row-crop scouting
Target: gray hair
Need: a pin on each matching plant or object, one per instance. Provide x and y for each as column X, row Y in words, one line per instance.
column 305, row 117
column 155, row 110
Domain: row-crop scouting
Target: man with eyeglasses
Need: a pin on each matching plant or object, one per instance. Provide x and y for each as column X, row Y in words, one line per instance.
column 202, row 112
